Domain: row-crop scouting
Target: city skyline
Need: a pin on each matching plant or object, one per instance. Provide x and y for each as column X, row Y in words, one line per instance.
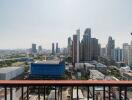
column 24, row 22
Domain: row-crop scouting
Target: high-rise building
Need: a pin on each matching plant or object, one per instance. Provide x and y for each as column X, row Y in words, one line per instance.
column 130, row 53
column 76, row 46
column 125, row 52
column 130, row 56
column 89, row 47
column 94, row 49
column 103, row 52
column 53, row 48
column 74, row 49
column 69, row 47
column 85, row 45
column 110, row 47
column 118, row 53
column 34, row 50
column 57, row 48
column 40, row 49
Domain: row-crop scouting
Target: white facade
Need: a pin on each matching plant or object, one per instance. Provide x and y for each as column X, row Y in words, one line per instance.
column 8, row 73
column 127, row 54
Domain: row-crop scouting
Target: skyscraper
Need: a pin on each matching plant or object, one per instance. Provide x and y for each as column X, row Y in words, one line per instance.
column 69, row 47
column 53, row 49
column 85, row 45
column 103, row 52
column 110, row 47
column 94, row 49
column 118, row 53
column 57, row 48
column 125, row 52
column 74, row 56
column 89, row 47
column 40, row 49
column 76, row 46
column 130, row 56
column 34, row 50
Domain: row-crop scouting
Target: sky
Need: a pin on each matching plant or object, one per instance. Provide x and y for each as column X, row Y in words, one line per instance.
column 23, row 22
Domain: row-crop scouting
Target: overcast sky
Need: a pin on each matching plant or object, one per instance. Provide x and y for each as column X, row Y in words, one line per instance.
column 23, row 22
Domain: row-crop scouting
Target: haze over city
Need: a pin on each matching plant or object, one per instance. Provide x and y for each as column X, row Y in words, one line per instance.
column 23, row 22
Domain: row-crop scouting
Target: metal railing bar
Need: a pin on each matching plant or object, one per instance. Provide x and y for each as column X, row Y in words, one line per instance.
column 39, row 92
column 10, row 93
column 44, row 92
column 61, row 92
column 22, row 96
column 88, row 92
column 103, row 92
column 93, row 93
column 5, row 93
column 109, row 93
column 120, row 90
column 77, row 94
column 55, row 93
column 125, row 95
column 27, row 92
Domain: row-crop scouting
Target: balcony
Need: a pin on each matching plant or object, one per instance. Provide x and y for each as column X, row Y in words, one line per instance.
column 65, row 90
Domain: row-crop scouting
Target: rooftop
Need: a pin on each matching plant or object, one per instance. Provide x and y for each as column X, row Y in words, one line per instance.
column 8, row 69
column 48, row 62
column 128, row 73
column 96, row 74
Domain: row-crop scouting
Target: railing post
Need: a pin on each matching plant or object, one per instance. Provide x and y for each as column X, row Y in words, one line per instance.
column 93, row 93
column 10, row 93
column 72, row 93
column 5, row 93
column 125, row 93
column 27, row 92
column 120, row 89
column 88, row 92
column 103, row 92
column 55, row 93
column 77, row 93
column 39, row 92
column 61, row 93
column 22, row 93
column 44, row 92
column 109, row 93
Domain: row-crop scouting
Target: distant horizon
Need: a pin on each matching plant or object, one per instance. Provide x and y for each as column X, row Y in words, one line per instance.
column 23, row 22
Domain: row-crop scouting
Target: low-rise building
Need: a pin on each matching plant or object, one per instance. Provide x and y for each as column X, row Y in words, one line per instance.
column 96, row 75
column 99, row 66
column 84, row 66
column 8, row 73
column 49, row 69
column 127, row 75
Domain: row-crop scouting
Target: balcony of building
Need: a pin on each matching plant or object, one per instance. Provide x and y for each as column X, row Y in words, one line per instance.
column 65, row 90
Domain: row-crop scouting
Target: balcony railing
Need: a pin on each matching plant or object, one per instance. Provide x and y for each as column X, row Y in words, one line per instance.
column 65, row 90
